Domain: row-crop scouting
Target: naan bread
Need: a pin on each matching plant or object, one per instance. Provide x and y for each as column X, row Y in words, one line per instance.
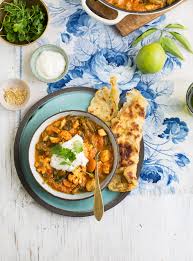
column 105, row 102
column 127, row 127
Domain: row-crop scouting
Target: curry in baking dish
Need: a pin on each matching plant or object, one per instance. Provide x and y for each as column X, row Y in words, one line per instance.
column 65, row 154
column 140, row 5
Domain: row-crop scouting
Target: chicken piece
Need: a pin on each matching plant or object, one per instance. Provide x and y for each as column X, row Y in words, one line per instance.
column 57, row 124
column 45, row 136
column 89, row 150
column 90, row 185
column 78, row 177
column 157, row 2
column 106, row 167
column 105, row 155
column 51, row 129
column 54, row 139
column 76, row 124
column 76, row 190
column 62, row 123
column 41, row 146
column 43, row 165
column 97, row 141
column 65, row 135
column 102, row 132
column 68, row 184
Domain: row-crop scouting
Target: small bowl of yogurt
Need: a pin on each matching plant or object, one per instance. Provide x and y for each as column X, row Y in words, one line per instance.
column 49, row 63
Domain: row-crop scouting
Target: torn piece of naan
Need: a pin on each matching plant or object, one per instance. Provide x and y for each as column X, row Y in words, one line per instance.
column 105, row 102
column 127, row 127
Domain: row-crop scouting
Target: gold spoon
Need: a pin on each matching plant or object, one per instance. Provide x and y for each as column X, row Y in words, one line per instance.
column 98, row 200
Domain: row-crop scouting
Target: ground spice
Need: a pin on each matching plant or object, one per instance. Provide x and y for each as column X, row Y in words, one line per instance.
column 15, row 96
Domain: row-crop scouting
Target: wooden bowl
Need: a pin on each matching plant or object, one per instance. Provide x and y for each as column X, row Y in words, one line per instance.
column 29, row 3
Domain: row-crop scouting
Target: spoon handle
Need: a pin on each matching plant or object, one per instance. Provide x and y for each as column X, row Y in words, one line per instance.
column 98, row 200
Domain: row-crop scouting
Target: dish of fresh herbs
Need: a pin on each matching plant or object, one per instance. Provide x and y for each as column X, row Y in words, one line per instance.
column 23, row 23
column 65, row 154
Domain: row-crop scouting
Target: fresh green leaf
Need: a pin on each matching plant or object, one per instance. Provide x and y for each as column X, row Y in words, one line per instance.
column 77, row 146
column 11, row 37
column 66, row 154
column 143, row 35
column 176, row 26
column 182, row 39
column 22, row 23
column 65, row 162
column 170, row 46
column 21, row 37
column 58, row 178
column 18, row 27
column 56, row 149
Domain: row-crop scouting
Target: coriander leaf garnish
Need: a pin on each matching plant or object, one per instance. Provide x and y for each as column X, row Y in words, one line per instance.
column 67, row 155
column 56, row 149
column 77, row 146
column 65, row 162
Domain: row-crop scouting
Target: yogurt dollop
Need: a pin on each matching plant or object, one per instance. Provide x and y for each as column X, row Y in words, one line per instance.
column 81, row 159
column 50, row 64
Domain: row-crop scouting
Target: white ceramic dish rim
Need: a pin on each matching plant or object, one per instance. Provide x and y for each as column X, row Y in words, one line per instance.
column 35, row 139
column 6, row 85
column 122, row 13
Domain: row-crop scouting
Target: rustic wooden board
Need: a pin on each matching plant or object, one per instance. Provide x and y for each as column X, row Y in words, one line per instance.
column 132, row 22
column 129, row 24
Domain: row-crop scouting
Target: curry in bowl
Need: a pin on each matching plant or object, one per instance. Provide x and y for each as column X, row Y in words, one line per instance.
column 66, row 150
column 141, row 5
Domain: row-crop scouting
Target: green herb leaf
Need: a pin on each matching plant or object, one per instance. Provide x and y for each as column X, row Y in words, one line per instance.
column 77, row 146
column 56, row 149
column 11, row 37
column 66, row 154
column 22, row 23
column 169, row 46
column 18, row 27
column 182, row 39
column 176, row 26
column 58, row 179
column 65, row 162
column 143, row 35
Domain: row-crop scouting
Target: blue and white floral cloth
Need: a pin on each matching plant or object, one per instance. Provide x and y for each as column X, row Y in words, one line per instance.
column 98, row 51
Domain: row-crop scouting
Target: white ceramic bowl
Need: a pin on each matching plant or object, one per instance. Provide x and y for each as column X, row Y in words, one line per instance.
column 35, row 140
column 13, row 83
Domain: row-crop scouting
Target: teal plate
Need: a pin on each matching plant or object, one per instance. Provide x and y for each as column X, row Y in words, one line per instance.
column 74, row 98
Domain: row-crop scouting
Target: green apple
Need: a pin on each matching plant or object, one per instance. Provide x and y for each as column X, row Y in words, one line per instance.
column 151, row 58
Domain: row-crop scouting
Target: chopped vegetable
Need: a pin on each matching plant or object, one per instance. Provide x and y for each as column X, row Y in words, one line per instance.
column 102, row 132
column 91, row 165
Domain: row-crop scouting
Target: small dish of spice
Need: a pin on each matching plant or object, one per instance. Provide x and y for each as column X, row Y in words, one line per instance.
column 14, row 94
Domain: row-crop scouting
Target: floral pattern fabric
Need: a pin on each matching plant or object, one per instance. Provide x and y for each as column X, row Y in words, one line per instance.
column 98, row 51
